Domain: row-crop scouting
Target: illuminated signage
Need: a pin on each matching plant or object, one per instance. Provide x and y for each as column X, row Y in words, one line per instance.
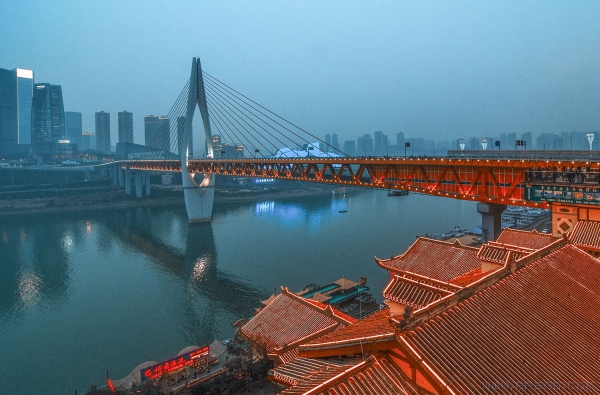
column 22, row 73
column 563, row 194
column 195, row 357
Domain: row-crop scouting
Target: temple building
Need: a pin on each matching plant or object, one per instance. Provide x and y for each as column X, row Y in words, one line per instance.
column 519, row 315
column 287, row 321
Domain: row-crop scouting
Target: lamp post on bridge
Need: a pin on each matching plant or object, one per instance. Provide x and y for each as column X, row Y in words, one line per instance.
column 484, row 144
column 590, row 137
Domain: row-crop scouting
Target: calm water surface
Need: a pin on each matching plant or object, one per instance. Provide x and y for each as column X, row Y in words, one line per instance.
column 84, row 293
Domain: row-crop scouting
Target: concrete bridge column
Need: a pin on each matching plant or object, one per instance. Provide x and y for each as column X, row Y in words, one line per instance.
column 115, row 174
column 138, row 185
column 120, row 176
column 491, row 219
column 127, row 180
column 148, row 184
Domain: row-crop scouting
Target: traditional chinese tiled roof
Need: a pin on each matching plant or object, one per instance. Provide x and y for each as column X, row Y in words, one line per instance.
column 416, row 294
column 469, row 278
column 436, row 259
column 538, row 325
column 292, row 373
column 586, row 234
column 498, row 253
column 374, row 375
column 289, row 320
column 373, row 328
column 523, row 238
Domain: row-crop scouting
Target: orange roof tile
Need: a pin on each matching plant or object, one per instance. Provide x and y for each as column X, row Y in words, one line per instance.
column 413, row 293
column 538, row 325
column 469, row 278
column 498, row 253
column 288, row 320
column 436, row 259
column 375, row 327
column 523, row 238
column 586, row 234
column 292, row 373
column 375, row 375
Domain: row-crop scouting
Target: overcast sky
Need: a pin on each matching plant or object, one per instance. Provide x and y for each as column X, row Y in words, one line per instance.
column 440, row 70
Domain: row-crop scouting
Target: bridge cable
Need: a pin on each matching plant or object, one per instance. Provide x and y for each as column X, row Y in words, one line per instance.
column 266, row 109
column 162, row 140
column 219, row 103
column 244, row 111
column 221, row 116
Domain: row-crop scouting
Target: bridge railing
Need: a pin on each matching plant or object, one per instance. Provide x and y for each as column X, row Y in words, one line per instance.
column 586, row 155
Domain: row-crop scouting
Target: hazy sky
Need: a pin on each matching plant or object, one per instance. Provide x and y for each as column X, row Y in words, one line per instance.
column 446, row 69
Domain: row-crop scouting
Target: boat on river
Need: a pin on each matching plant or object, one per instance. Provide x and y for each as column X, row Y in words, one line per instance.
column 398, row 192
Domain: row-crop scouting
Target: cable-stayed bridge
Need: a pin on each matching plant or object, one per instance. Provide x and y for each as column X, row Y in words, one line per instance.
column 245, row 139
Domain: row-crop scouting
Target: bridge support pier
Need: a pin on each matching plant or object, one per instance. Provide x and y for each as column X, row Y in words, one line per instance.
column 491, row 220
column 115, row 174
column 148, row 186
column 127, row 180
column 120, row 176
column 138, row 185
column 198, row 198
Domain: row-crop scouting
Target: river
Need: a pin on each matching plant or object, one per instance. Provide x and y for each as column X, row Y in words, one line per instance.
column 86, row 293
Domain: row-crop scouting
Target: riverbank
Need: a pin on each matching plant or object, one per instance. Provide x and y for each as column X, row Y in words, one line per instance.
column 160, row 196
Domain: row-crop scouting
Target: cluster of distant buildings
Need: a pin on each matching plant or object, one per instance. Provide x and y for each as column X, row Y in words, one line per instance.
column 34, row 124
column 380, row 144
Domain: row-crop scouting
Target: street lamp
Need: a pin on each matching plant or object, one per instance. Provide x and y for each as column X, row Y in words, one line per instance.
column 590, row 137
column 462, row 144
column 484, row 144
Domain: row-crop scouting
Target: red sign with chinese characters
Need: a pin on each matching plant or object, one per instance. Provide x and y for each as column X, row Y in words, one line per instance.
column 175, row 363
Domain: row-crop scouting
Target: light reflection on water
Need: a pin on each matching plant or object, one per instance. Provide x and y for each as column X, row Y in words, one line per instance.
column 115, row 288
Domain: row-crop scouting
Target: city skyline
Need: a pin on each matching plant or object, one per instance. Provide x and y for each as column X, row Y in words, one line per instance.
column 430, row 70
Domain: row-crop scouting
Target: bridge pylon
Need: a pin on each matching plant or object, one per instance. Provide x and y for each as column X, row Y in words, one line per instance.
column 198, row 196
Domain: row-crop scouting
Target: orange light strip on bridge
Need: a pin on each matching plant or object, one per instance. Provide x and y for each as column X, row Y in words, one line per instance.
column 497, row 181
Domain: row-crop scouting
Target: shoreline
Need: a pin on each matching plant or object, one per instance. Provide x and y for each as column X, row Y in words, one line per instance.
column 118, row 200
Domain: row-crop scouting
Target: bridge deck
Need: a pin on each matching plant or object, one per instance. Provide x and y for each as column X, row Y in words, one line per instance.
column 501, row 181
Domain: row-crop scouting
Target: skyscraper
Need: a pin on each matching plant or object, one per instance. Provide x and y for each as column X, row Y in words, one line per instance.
column 74, row 129
column 8, row 110
column 335, row 143
column 163, row 139
column 47, row 113
column 86, row 141
column 125, row 127
column 16, row 91
column 150, row 129
column 103, row 131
